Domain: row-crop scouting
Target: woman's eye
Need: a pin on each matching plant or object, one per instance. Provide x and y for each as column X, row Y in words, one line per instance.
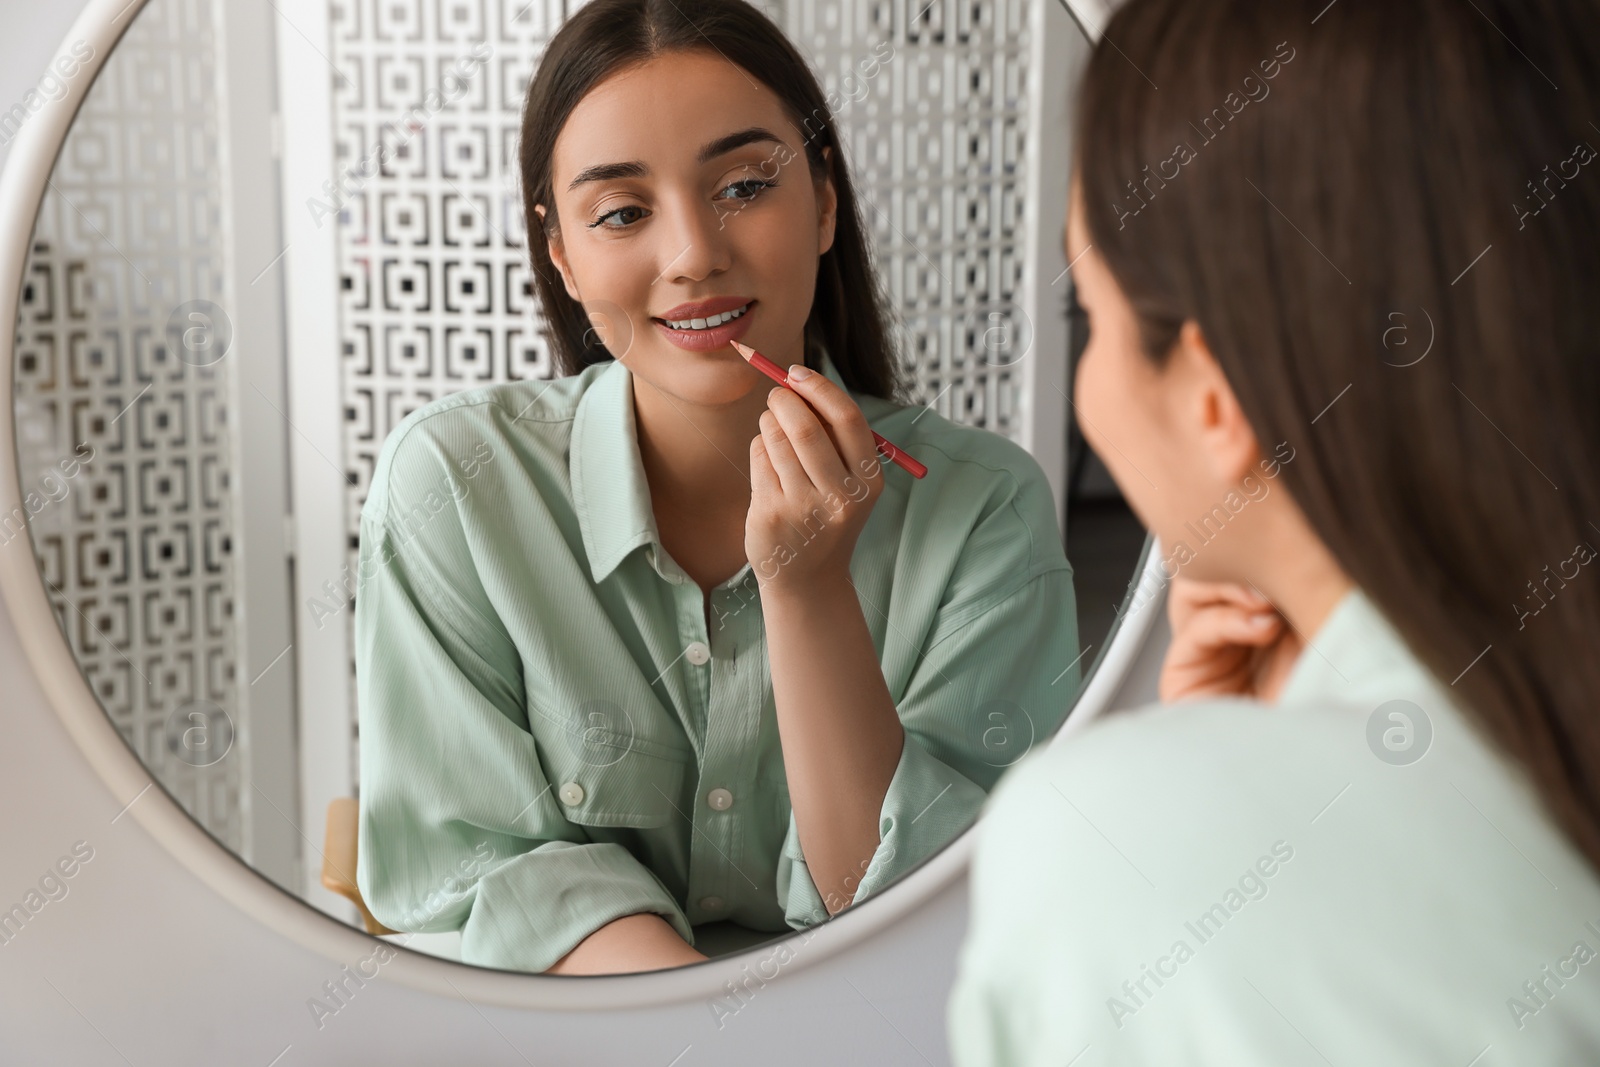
column 601, row 219
column 752, row 187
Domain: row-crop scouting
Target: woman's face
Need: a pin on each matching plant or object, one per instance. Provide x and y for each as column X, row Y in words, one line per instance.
column 658, row 211
column 1172, row 437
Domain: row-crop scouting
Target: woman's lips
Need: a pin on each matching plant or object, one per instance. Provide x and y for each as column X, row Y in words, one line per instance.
column 708, row 340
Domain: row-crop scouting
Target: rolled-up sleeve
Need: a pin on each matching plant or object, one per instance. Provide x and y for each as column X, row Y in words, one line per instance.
column 995, row 683
column 459, row 829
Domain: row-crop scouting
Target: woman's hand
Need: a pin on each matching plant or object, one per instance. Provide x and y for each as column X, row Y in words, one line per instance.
column 815, row 474
column 1227, row 640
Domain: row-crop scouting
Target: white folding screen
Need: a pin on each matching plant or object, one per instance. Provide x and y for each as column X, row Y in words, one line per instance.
column 147, row 370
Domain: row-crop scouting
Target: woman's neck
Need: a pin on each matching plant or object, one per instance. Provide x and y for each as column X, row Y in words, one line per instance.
column 696, row 458
column 1294, row 569
column 1305, row 590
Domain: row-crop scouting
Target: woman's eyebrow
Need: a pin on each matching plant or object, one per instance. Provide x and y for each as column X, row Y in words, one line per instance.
column 709, row 151
column 753, row 135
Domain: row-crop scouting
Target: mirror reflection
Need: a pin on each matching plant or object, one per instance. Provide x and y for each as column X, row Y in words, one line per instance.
column 554, row 634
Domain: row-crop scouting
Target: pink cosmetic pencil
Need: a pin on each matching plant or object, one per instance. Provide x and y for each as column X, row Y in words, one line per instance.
column 781, row 376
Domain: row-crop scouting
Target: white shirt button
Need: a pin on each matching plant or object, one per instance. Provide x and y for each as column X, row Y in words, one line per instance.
column 719, row 799
column 711, row 903
column 572, row 793
column 698, row 653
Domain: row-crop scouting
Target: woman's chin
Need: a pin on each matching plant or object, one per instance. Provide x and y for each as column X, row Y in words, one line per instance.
column 705, row 379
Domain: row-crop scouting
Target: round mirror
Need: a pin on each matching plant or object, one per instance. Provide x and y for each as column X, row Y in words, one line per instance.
column 268, row 239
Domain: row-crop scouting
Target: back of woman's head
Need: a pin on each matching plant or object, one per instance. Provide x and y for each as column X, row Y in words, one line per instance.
column 1383, row 218
column 848, row 316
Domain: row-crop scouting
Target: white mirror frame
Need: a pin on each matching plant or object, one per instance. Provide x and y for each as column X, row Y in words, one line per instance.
column 22, row 188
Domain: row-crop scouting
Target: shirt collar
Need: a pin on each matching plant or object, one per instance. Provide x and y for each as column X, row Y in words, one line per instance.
column 1357, row 657
column 609, row 490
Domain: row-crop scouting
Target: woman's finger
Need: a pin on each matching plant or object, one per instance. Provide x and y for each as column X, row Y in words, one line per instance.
column 839, row 414
column 1189, row 595
column 763, row 479
column 1216, row 652
column 1195, row 591
column 791, row 473
column 1188, row 682
column 1218, row 627
column 809, row 437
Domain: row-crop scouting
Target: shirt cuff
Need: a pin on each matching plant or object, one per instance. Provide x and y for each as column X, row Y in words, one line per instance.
column 536, row 908
column 928, row 804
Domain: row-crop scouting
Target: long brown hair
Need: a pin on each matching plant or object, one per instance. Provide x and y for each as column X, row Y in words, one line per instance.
column 1385, row 224
column 848, row 315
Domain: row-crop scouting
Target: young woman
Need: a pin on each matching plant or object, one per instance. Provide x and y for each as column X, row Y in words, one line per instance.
column 672, row 646
column 1364, row 825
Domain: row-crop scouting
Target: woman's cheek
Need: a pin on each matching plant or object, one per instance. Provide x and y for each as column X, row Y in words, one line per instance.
column 1118, row 422
column 1108, row 419
column 1088, row 394
column 785, row 275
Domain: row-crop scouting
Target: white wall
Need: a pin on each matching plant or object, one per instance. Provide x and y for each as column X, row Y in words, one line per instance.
column 141, row 964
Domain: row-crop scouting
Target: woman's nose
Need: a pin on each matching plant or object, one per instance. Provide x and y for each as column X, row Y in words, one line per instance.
column 696, row 241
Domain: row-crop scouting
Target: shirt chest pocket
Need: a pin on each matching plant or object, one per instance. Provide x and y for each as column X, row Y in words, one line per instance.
column 603, row 779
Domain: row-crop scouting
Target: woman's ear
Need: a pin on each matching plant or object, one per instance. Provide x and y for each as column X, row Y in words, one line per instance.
column 1206, row 400
column 558, row 256
column 827, row 204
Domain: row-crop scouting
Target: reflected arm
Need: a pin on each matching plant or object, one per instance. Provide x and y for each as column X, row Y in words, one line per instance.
column 640, row 942
column 995, row 682
column 841, row 736
column 881, row 780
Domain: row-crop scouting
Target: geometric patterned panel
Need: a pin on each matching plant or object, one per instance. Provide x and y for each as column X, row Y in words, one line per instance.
column 930, row 97
column 121, row 413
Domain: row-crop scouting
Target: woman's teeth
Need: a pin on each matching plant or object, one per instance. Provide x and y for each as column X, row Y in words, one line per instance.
column 707, row 324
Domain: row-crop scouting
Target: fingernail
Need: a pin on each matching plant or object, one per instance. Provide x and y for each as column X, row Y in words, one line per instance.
column 799, row 372
column 1260, row 620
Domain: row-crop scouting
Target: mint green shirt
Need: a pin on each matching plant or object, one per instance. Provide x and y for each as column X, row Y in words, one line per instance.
column 1244, row 884
column 553, row 737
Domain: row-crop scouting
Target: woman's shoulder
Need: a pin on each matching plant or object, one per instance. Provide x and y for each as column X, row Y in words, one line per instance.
column 1362, row 748
column 1244, row 764
column 983, row 492
column 958, row 448
column 1287, row 834
column 538, row 402
column 456, row 435
column 1175, row 767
